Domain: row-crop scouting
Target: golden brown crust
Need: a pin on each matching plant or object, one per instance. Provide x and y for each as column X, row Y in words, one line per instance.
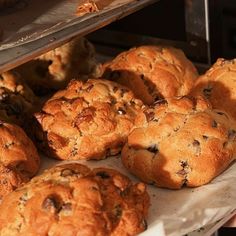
column 218, row 85
column 88, row 120
column 17, row 101
column 152, row 72
column 180, row 142
column 19, row 159
column 54, row 69
column 72, row 198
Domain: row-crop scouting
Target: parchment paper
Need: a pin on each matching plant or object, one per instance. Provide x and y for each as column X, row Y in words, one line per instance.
column 180, row 211
column 33, row 19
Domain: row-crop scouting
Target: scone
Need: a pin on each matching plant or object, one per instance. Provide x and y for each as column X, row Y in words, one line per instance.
column 73, row 200
column 87, row 120
column 19, row 159
column 17, row 101
column 218, row 85
column 152, row 72
column 54, row 69
column 180, row 143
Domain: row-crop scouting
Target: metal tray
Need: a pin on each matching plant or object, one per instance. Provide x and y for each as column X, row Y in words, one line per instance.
column 28, row 48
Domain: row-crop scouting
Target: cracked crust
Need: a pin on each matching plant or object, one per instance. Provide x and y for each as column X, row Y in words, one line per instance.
column 180, row 142
column 218, row 85
column 17, row 101
column 73, row 198
column 87, row 120
column 54, row 69
column 152, row 72
column 19, row 159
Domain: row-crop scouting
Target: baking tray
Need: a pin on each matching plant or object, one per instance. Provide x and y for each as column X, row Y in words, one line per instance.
column 32, row 44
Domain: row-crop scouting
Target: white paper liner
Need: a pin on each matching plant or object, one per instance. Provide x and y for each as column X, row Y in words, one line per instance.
column 180, row 211
column 34, row 19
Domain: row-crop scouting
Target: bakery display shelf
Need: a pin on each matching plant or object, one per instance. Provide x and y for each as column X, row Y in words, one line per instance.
column 21, row 53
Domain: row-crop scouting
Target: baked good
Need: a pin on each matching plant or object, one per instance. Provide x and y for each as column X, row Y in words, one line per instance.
column 87, row 120
column 54, row 69
column 17, row 101
column 87, row 6
column 19, row 159
column 152, row 72
column 218, row 85
column 73, row 200
column 182, row 142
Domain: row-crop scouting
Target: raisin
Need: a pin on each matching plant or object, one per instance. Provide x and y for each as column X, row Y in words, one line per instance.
column 214, row 124
column 153, row 148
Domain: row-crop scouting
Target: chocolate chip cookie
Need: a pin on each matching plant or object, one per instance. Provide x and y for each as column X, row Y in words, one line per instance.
column 19, row 159
column 73, row 199
column 87, row 120
column 152, row 72
column 182, row 142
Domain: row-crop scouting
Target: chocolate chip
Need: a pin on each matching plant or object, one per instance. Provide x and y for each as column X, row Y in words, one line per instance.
column 118, row 211
column 103, row 174
column 184, row 164
column 115, row 89
column 231, row 134
column 121, row 111
column 88, row 89
column 153, row 148
column 207, row 92
column 214, row 124
column 149, row 115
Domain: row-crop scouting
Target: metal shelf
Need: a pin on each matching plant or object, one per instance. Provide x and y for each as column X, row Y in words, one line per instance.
column 12, row 57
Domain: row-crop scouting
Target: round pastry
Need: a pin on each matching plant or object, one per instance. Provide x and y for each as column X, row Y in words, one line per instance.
column 152, row 72
column 180, row 143
column 54, row 69
column 73, row 200
column 218, row 85
column 19, row 159
column 87, row 120
column 17, row 101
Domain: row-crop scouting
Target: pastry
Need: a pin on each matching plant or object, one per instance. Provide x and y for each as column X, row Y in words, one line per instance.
column 54, row 69
column 73, row 200
column 19, row 159
column 152, row 72
column 17, row 101
column 87, row 120
column 218, row 85
column 182, row 142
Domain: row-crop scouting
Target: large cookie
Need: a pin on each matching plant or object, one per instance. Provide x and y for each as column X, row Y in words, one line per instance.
column 54, row 69
column 17, row 101
column 19, row 159
column 87, row 120
column 73, row 200
column 218, row 85
column 152, row 72
column 182, row 142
